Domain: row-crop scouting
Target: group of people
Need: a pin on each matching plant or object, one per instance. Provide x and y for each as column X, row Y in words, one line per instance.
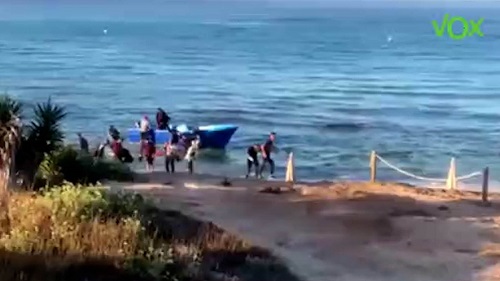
column 266, row 150
column 177, row 148
column 114, row 141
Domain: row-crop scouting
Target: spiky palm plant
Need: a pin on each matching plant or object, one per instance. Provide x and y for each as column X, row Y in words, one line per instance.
column 45, row 132
column 42, row 137
column 10, row 133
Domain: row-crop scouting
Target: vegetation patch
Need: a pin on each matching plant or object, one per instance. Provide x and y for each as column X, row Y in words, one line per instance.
column 82, row 233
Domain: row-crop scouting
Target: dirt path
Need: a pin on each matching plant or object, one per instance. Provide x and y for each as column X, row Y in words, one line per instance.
column 347, row 231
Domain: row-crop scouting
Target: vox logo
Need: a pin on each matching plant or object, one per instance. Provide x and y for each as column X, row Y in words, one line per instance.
column 469, row 27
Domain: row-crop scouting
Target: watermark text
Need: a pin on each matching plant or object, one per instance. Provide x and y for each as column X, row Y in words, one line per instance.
column 470, row 27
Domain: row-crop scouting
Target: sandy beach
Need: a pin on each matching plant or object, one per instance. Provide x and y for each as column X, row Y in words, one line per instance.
column 346, row 230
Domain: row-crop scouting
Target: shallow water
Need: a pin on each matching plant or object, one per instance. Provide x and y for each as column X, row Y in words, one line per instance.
column 330, row 82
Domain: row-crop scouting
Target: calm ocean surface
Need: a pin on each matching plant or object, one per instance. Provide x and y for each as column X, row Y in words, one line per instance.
column 334, row 84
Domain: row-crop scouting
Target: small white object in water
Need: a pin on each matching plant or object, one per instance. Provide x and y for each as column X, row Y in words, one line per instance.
column 105, row 31
column 389, row 38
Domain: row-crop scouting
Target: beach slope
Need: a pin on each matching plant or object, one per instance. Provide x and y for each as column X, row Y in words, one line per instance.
column 346, row 231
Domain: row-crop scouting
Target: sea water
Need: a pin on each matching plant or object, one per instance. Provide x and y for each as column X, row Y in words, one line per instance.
column 333, row 83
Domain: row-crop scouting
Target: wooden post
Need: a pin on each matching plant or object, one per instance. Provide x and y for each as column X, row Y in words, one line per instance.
column 451, row 182
column 290, row 169
column 373, row 166
column 484, row 192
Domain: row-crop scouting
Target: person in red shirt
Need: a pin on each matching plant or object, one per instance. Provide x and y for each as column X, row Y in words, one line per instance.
column 116, row 147
column 149, row 153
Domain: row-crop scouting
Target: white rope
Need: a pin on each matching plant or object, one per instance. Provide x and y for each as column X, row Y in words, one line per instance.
column 408, row 173
column 471, row 175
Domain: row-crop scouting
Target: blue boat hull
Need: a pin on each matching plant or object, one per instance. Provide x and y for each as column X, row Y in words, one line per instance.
column 212, row 136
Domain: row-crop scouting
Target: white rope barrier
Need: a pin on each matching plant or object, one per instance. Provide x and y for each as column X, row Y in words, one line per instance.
column 471, row 175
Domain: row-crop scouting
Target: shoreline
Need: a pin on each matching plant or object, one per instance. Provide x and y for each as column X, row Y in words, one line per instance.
column 469, row 188
column 226, row 164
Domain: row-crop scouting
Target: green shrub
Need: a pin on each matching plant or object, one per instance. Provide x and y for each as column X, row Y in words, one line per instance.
column 67, row 164
column 61, row 226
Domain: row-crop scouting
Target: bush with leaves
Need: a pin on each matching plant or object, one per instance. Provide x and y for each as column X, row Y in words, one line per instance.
column 67, row 164
column 41, row 135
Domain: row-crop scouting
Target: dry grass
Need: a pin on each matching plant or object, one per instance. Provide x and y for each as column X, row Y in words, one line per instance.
column 80, row 233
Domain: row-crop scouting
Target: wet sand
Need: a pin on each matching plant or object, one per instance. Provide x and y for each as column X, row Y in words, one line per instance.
column 346, row 230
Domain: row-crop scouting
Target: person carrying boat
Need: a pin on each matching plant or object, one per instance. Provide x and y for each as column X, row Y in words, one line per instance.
column 252, row 159
column 266, row 150
column 162, row 119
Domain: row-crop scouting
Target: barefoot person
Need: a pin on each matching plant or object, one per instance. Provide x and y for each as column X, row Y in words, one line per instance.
column 252, row 159
column 266, row 150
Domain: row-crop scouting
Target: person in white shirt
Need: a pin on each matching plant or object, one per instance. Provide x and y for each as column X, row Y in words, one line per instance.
column 191, row 153
column 144, row 127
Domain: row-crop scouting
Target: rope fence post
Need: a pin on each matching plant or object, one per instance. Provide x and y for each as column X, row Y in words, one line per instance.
column 373, row 166
column 484, row 191
column 451, row 182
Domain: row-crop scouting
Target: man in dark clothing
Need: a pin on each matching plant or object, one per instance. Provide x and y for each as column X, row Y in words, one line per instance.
column 84, row 144
column 252, row 159
column 152, row 136
column 266, row 150
column 162, row 119
column 114, row 134
column 174, row 137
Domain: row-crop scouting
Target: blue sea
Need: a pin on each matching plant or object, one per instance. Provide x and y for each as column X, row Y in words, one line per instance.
column 334, row 83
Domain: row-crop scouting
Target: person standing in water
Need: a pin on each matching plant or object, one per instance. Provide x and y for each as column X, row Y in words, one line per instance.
column 162, row 119
column 266, row 150
column 252, row 159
